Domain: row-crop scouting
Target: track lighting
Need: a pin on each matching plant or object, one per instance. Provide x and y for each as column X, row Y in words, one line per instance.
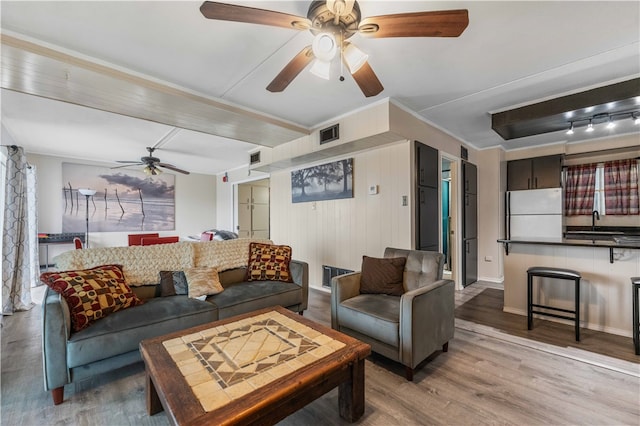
column 600, row 118
column 570, row 131
column 611, row 124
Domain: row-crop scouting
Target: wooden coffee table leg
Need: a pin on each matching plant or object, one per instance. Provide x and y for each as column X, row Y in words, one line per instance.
column 351, row 394
column 153, row 400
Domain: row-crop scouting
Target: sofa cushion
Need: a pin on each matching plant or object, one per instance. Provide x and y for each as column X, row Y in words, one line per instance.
column 203, row 281
column 121, row 333
column 173, row 283
column 248, row 296
column 269, row 262
column 92, row 294
column 374, row 315
column 382, row 276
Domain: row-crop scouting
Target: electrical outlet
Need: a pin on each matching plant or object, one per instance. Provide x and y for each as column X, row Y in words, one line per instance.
column 405, row 200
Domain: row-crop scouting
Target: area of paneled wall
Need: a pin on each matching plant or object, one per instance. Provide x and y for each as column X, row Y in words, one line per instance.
column 339, row 232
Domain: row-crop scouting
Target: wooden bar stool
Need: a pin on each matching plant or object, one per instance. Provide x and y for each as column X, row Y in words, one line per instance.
column 560, row 274
column 635, row 287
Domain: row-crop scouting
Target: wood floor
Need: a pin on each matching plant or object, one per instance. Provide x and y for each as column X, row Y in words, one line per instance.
column 487, row 377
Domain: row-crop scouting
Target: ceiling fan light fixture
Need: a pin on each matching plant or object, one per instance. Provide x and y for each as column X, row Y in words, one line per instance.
column 152, row 171
column 340, row 7
column 354, row 57
column 636, row 119
column 324, row 46
column 321, row 69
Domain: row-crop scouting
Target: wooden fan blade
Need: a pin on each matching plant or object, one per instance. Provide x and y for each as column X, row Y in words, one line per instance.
column 230, row 12
column 367, row 80
column 291, row 70
column 445, row 23
column 172, row 167
column 127, row 164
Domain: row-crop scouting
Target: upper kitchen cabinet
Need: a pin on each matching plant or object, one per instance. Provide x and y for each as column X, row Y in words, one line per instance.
column 534, row 173
column 427, row 165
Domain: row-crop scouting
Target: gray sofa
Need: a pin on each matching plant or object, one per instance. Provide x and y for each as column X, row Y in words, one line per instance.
column 112, row 342
column 406, row 328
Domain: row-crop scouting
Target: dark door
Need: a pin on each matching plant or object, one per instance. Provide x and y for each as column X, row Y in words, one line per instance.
column 469, row 224
column 427, row 206
column 470, row 262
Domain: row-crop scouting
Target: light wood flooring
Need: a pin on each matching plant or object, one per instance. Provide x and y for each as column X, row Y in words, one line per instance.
column 487, row 377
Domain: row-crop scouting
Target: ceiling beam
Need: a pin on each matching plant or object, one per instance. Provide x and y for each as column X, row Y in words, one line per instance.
column 556, row 114
column 41, row 71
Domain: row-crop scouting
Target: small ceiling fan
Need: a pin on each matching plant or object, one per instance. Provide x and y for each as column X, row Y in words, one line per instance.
column 151, row 164
column 333, row 22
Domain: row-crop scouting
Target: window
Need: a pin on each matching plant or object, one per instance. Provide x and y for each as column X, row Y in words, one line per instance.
column 598, row 196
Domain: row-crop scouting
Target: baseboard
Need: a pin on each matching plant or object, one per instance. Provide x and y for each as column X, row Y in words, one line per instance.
column 499, row 280
column 590, row 326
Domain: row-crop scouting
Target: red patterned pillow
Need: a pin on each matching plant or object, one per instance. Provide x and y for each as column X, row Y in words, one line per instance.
column 92, row 293
column 268, row 262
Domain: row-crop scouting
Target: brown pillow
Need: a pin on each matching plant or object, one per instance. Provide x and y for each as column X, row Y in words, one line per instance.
column 382, row 276
column 269, row 262
column 92, row 293
column 203, row 281
column 173, row 283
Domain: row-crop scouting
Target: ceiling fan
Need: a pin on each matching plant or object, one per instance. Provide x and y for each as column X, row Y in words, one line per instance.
column 152, row 164
column 333, row 22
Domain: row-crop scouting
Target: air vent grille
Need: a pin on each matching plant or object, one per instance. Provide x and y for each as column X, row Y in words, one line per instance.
column 330, row 134
column 254, row 158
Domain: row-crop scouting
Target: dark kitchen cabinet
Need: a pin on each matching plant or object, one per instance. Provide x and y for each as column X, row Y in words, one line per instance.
column 470, row 261
column 469, row 223
column 427, row 184
column 534, row 173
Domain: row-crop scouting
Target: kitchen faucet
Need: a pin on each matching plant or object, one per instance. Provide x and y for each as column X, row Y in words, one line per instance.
column 594, row 215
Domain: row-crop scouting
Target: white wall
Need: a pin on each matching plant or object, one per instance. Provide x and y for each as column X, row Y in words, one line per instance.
column 195, row 203
column 339, row 232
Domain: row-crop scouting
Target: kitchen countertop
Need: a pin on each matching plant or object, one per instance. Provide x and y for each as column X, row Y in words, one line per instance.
column 607, row 243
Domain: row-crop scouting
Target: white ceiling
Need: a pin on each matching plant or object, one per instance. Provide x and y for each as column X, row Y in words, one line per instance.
column 512, row 53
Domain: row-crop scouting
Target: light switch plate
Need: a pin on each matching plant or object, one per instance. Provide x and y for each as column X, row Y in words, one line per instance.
column 373, row 189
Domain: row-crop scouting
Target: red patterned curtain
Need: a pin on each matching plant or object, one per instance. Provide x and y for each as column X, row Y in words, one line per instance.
column 621, row 187
column 580, row 189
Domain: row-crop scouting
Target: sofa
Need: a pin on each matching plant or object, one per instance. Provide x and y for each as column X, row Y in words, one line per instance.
column 113, row 341
column 407, row 326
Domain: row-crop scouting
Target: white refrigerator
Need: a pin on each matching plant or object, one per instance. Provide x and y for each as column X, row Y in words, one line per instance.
column 534, row 214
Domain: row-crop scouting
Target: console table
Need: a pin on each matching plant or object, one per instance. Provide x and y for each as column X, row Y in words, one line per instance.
column 46, row 240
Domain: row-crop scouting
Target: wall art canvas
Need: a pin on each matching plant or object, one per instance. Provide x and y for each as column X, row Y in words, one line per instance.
column 324, row 182
column 125, row 200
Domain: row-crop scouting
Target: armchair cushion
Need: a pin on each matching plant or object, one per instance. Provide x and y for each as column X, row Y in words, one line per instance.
column 92, row 293
column 382, row 276
column 374, row 315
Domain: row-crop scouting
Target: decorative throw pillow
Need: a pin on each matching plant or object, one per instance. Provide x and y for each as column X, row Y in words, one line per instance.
column 382, row 276
column 203, row 281
column 173, row 283
column 269, row 262
column 92, row 293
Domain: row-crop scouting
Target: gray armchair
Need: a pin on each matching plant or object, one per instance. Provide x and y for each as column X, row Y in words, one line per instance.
column 406, row 328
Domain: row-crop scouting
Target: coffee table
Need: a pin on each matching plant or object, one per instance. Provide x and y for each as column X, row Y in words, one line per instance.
column 255, row 368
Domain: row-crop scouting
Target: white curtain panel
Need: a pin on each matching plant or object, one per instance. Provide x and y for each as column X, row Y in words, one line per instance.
column 20, row 262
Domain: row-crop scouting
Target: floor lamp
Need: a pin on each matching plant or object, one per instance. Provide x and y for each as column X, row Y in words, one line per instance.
column 87, row 193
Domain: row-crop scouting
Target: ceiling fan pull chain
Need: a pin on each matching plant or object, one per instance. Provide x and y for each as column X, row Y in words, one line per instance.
column 341, row 55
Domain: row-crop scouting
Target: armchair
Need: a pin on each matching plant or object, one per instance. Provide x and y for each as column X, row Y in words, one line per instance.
column 406, row 328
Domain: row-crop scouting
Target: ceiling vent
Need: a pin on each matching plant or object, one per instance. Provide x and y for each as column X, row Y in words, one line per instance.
column 254, row 158
column 330, row 134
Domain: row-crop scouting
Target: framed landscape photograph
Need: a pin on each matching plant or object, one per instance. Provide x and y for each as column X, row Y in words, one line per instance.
column 125, row 200
column 328, row 181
